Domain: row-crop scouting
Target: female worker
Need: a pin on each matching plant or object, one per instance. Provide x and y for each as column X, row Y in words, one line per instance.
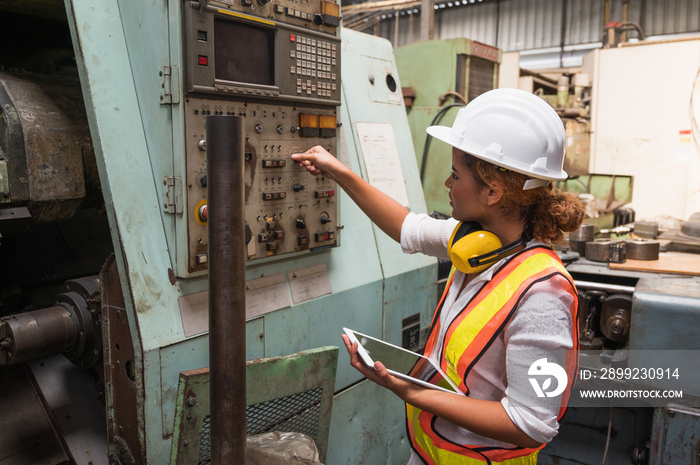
column 504, row 306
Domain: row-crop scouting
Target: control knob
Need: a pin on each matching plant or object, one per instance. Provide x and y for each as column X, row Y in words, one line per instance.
column 248, row 233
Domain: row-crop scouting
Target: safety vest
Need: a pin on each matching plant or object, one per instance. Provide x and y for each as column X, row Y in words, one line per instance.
column 469, row 335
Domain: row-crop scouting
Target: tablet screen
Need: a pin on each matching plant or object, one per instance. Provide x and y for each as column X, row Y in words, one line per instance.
column 401, row 361
column 393, row 357
column 404, row 363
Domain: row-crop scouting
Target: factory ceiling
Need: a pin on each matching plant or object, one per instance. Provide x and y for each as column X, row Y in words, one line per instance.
column 358, row 14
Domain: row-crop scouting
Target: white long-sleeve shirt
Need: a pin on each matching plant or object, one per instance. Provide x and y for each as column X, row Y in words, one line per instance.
column 542, row 321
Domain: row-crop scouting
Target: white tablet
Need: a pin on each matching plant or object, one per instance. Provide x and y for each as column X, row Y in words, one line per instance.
column 399, row 361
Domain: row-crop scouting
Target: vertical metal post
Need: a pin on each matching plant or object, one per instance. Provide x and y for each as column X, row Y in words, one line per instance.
column 225, row 205
column 625, row 19
column 427, row 19
column 562, row 36
column 397, row 14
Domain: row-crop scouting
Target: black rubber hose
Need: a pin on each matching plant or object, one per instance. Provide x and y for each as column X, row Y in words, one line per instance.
column 426, row 147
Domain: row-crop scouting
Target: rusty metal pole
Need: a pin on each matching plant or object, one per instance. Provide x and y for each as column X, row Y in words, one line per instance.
column 427, row 19
column 225, row 203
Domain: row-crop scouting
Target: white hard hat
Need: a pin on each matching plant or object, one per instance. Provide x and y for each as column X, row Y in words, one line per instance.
column 512, row 129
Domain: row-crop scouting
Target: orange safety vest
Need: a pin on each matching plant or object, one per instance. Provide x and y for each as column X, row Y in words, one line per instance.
column 469, row 335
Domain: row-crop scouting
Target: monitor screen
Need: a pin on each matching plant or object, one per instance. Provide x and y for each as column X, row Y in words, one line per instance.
column 244, row 53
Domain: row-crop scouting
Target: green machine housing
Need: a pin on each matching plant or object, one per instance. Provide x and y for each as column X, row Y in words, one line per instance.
column 460, row 70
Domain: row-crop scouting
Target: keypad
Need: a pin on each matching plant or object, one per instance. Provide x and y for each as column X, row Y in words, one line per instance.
column 314, row 62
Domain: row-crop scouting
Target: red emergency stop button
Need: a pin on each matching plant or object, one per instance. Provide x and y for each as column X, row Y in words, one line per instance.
column 203, row 212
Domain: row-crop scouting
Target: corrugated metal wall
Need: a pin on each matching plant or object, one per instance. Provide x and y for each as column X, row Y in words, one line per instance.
column 536, row 25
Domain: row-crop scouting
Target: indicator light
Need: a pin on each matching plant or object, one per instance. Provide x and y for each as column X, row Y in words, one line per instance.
column 327, row 121
column 308, row 124
column 327, row 126
column 203, row 60
column 331, row 9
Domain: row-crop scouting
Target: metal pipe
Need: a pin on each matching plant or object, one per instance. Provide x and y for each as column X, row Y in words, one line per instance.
column 427, row 19
column 562, row 38
column 227, row 368
column 606, row 13
column 397, row 13
column 625, row 18
column 617, row 288
column 632, row 25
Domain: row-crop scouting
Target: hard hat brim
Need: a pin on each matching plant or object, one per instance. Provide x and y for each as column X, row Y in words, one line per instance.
column 447, row 135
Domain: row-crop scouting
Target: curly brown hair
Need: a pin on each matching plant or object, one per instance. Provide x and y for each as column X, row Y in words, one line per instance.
column 550, row 212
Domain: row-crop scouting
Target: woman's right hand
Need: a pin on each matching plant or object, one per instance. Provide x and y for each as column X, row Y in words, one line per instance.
column 384, row 211
column 319, row 162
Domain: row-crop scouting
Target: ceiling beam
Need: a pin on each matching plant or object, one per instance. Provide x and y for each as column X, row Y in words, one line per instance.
column 380, row 5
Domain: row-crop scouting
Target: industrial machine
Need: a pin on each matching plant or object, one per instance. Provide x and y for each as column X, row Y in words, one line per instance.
column 461, row 69
column 104, row 221
column 626, row 139
column 104, row 252
column 633, row 313
column 639, row 284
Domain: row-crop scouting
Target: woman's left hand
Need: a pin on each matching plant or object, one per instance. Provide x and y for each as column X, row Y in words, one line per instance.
column 378, row 373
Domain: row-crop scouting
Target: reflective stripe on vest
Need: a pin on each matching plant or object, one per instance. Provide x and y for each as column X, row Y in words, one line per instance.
column 467, row 338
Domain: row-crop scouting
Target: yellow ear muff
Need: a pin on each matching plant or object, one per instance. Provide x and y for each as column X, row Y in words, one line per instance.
column 468, row 240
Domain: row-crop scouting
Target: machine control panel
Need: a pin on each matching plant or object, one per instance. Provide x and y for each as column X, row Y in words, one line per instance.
column 277, row 65
column 287, row 209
